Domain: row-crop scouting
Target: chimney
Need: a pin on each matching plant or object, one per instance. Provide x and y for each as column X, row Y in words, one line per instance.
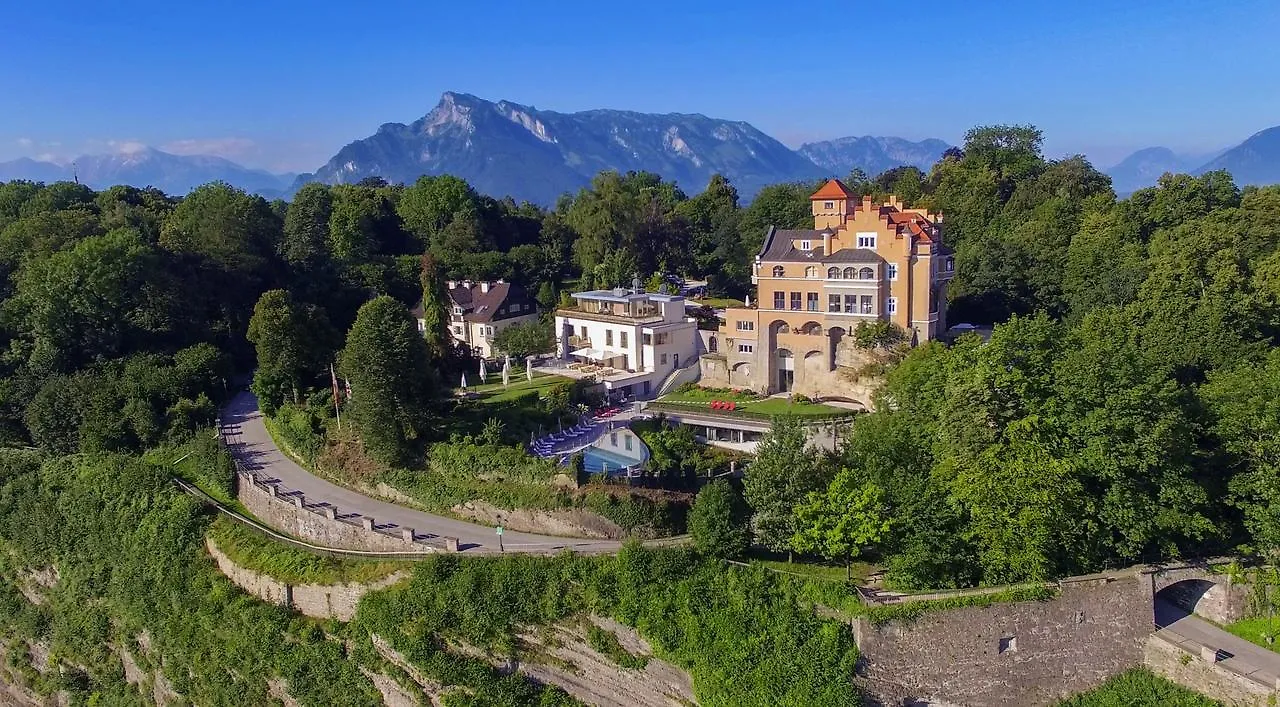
column 484, row 286
column 467, row 284
column 826, row 242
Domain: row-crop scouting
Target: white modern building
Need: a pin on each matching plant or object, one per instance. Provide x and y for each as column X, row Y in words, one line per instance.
column 631, row 341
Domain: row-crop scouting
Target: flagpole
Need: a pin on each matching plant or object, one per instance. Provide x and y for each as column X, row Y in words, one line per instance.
column 337, row 413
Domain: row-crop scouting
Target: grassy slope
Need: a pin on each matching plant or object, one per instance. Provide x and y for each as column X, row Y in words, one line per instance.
column 1135, row 688
column 255, row 552
column 1257, row 630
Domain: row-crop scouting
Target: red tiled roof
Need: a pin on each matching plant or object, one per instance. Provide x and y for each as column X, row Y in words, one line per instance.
column 833, row 189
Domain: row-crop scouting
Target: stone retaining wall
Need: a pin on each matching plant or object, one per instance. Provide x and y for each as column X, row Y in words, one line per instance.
column 320, row 601
column 1016, row 654
column 323, row 526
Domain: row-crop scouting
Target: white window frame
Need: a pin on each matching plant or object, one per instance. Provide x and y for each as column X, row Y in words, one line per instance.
column 746, row 348
column 828, row 205
column 892, row 270
column 745, row 325
column 891, row 305
column 806, row 245
column 867, row 241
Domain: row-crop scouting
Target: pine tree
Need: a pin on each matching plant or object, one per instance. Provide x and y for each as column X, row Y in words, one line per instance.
column 392, row 381
column 435, row 310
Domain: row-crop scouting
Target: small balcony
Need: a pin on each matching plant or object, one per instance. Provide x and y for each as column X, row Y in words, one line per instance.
column 580, row 342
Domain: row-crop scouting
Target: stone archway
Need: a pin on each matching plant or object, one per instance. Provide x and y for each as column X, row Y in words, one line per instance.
column 784, row 370
column 1195, row 595
column 835, row 334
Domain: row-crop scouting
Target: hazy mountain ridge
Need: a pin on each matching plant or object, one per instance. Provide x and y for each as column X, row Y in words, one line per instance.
column 1144, row 167
column 174, row 174
column 505, row 148
column 873, row 155
column 1254, row 161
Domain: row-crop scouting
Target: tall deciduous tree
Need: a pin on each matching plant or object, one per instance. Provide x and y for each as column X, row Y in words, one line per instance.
column 294, row 342
column 392, row 382
column 843, row 520
column 718, row 521
column 782, row 475
column 305, row 245
column 525, row 339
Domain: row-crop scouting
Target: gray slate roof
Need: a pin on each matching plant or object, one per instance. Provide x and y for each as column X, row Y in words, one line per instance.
column 778, row 248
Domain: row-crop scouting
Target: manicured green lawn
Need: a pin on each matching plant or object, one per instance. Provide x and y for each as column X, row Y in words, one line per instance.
column 1257, row 630
column 493, row 392
column 746, row 403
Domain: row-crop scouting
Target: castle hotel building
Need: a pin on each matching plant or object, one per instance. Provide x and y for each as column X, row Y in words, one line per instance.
column 863, row 261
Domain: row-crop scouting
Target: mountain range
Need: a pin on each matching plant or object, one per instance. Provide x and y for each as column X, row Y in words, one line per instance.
column 504, row 148
column 536, row 155
column 1254, row 161
column 147, row 166
column 873, row 155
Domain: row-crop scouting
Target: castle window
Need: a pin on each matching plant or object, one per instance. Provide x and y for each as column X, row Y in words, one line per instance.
column 811, row 301
column 779, row 300
column 746, row 348
column 828, row 205
column 811, row 271
column 850, row 273
column 806, row 245
column 891, row 305
column 746, row 326
column 892, row 271
column 778, row 271
column 795, row 301
column 833, row 273
column 867, row 240
column 866, row 274
column 833, row 303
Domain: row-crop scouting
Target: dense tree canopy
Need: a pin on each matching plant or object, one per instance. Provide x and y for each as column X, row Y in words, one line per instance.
column 1123, row 409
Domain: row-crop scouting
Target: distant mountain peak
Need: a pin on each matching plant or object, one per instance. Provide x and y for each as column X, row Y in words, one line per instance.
column 507, row 148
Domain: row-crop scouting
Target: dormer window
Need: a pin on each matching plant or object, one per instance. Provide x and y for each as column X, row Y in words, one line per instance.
column 778, row 271
column 806, row 245
column 828, row 205
column 867, row 240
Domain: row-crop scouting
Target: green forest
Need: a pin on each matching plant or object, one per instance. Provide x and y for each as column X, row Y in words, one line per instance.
column 1125, row 409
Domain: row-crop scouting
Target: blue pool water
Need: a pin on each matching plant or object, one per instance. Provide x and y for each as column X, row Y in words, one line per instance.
column 610, row 455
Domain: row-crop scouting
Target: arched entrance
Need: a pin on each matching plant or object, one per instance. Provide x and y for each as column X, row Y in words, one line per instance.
column 786, row 371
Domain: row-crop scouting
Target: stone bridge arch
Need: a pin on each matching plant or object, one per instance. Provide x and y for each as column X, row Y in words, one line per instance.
column 1197, row 589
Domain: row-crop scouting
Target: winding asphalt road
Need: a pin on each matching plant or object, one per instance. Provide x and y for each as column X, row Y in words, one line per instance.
column 247, row 438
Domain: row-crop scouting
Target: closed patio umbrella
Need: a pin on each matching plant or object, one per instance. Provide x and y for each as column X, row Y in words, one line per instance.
column 484, row 375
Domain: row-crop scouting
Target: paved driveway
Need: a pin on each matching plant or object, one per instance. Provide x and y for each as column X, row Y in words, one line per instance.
column 249, row 442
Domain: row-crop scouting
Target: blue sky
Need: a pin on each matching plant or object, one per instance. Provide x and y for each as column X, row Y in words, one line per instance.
column 283, row 85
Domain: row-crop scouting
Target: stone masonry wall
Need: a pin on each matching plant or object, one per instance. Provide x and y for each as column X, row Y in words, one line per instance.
column 1023, row 653
column 321, row 601
column 1193, row 672
column 282, row 514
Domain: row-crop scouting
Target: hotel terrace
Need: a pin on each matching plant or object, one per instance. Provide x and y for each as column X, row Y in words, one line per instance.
column 629, row 340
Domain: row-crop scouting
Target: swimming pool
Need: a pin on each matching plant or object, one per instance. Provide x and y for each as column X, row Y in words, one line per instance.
column 614, row 451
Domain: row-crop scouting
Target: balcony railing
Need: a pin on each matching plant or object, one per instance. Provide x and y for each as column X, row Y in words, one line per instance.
column 580, row 342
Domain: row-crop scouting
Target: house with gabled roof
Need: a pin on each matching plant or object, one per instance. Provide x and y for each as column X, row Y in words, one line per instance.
column 479, row 310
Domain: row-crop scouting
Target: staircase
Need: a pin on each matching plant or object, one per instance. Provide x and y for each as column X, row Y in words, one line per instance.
column 689, row 374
